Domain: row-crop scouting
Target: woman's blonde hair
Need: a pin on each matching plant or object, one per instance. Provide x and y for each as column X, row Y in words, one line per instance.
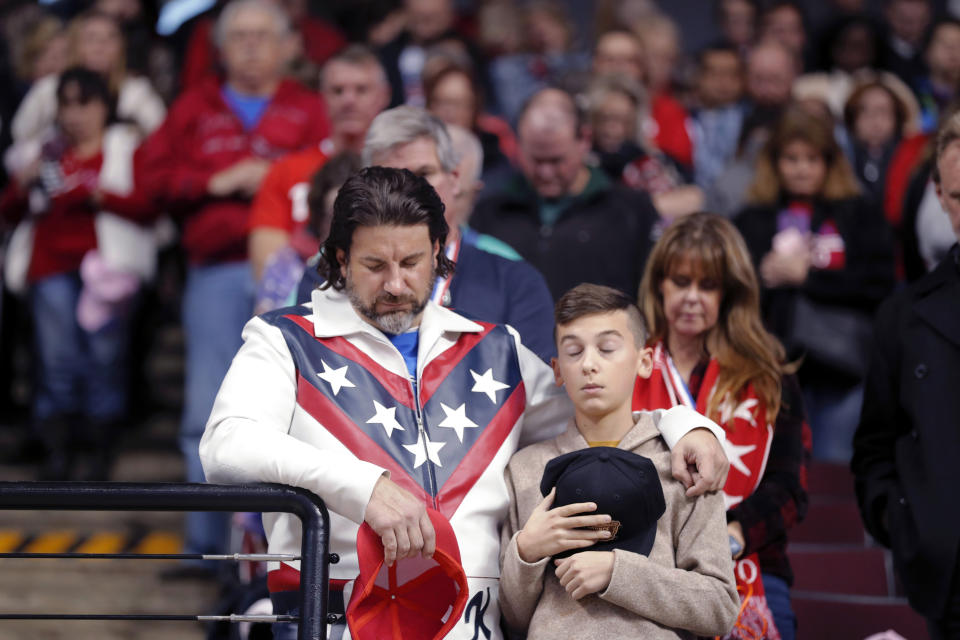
column 74, row 32
column 746, row 352
column 798, row 125
column 37, row 38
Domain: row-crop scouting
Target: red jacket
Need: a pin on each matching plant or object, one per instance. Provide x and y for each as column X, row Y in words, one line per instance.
column 200, row 137
column 320, row 41
column 672, row 136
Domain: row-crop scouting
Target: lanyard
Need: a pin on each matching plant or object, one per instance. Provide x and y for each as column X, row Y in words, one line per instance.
column 677, row 383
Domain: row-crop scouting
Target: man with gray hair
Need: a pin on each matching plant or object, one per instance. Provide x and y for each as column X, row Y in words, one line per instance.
column 205, row 163
column 567, row 218
column 486, row 285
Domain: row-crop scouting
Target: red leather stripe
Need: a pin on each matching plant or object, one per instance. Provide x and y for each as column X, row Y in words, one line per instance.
column 470, row 469
column 352, row 437
column 398, row 386
column 437, row 369
column 286, row 578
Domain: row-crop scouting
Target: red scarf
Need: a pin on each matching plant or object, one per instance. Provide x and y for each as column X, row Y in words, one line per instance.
column 747, row 445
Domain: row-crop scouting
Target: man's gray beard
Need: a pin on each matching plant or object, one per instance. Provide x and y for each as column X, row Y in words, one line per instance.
column 393, row 322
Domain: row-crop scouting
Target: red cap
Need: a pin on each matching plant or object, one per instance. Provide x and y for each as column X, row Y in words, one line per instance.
column 417, row 598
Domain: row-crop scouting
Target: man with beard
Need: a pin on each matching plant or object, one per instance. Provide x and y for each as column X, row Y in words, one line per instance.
column 384, row 403
column 486, row 285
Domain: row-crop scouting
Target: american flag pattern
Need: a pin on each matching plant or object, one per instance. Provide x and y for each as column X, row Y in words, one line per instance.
column 469, row 399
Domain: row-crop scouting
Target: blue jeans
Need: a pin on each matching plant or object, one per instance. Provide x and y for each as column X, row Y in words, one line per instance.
column 217, row 302
column 834, row 414
column 77, row 371
column 778, row 599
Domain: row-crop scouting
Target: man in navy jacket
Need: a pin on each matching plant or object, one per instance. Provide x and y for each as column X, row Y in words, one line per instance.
column 485, row 285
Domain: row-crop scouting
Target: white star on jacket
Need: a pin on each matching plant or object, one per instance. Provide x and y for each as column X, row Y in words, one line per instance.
column 424, row 450
column 387, row 418
column 735, row 453
column 457, row 419
column 743, row 410
column 336, row 377
column 486, row 384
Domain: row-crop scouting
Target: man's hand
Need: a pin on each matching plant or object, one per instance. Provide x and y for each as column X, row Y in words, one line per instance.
column 401, row 521
column 242, row 177
column 586, row 572
column 550, row 531
column 698, row 461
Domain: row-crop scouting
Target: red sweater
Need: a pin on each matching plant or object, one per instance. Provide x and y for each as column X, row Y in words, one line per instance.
column 672, row 136
column 200, row 137
column 320, row 41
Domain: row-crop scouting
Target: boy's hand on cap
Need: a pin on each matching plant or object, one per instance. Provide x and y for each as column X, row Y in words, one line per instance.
column 551, row 531
column 586, row 572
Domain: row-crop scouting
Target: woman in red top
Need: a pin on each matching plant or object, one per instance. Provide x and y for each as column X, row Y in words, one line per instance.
column 81, row 322
column 700, row 297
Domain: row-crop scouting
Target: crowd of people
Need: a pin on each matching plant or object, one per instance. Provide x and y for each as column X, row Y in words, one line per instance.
column 563, row 143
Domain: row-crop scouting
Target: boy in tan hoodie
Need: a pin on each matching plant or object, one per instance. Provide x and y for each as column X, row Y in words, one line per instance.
column 684, row 586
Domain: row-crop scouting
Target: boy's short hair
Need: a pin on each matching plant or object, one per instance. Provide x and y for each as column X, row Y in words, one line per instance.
column 589, row 299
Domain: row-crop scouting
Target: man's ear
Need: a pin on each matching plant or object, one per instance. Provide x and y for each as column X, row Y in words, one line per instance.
column 342, row 258
column 941, row 196
column 384, row 96
column 584, row 140
column 645, row 362
column 557, row 376
column 457, row 187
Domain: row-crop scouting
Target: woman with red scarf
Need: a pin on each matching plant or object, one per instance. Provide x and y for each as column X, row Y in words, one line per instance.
column 700, row 297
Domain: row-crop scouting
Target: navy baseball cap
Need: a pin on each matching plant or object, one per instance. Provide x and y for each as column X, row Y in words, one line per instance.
column 624, row 485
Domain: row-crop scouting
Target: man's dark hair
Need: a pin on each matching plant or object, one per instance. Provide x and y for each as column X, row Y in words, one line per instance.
column 380, row 196
column 590, row 299
column 714, row 49
column 90, row 86
column 331, row 175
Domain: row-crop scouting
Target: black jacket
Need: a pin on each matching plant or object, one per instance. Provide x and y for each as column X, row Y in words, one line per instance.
column 604, row 236
column 861, row 285
column 908, row 442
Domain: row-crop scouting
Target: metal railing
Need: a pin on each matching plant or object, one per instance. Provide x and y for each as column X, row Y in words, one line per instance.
column 125, row 496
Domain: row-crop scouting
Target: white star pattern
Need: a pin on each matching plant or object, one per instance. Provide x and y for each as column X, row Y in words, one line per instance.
column 734, row 454
column 336, row 377
column 423, row 450
column 386, row 417
column 457, row 419
column 730, row 501
column 744, row 411
column 486, row 384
